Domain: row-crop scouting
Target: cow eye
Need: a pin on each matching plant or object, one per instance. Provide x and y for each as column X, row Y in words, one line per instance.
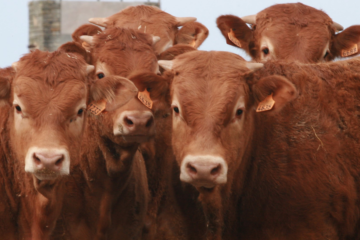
column 100, row 75
column 239, row 112
column 80, row 112
column 18, row 109
column 176, row 110
column 265, row 51
column 326, row 54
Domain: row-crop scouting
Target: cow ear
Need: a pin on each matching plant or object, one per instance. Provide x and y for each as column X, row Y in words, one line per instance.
column 193, row 34
column 347, row 43
column 235, row 31
column 178, row 49
column 85, row 29
column 117, row 91
column 87, row 42
column 157, row 86
column 272, row 93
column 6, row 76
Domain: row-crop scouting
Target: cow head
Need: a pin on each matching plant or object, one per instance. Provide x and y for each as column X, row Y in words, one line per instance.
column 47, row 99
column 152, row 20
column 129, row 53
column 291, row 32
column 213, row 113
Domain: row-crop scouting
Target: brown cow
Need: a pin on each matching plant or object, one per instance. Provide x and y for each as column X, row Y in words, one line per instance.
column 274, row 154
column 291, row 32
column 115, row 181
column 152, row 20
column 41, row 130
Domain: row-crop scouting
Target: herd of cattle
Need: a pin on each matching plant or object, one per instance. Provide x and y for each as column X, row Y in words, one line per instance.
column 130, row 132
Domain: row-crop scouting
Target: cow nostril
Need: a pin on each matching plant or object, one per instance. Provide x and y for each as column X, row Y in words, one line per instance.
column 36, row 159
column 59, row 161
column 149, row 122
column 128, row 121
column 215, row 170
column 191, row 169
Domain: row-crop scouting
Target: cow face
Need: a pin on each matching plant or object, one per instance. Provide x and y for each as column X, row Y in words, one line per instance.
column 213, row 112
column 290, row 32
column 128, row 53
column 152, row 20
column 48, row 98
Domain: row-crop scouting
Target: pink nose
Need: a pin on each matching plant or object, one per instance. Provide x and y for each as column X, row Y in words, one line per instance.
column 48, row 161
column 139, row 123
column 202, row 171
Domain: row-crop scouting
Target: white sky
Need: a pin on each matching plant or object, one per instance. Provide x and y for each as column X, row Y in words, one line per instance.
column 14, row 19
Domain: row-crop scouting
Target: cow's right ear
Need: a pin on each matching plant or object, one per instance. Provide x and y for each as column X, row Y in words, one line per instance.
column 6, row 77
column 272, row 93
column 192, row 33
column 87, row 42
column 235, row 31
column 85, row 30
column 115, row 90
column 347, row 43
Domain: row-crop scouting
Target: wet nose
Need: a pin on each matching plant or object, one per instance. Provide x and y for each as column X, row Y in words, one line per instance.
column 138, row 123
column 48, row 161
column 206, row 171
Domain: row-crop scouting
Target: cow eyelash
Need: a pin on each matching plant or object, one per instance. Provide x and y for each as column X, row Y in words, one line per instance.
column 326, row 54
column 100, row 75
column 265, row 51
column 176, row 109
column 18, row 109
column 80, row 112
column 239, row 112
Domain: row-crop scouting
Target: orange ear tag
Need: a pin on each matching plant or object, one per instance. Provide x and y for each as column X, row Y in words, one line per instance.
column 266, row 105
column 350, row 51
column 232, row 38
column 85, row 45
column 193, row 43
column 144, row 97
column 97, row 107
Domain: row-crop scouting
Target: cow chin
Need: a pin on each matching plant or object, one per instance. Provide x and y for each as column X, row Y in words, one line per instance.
column 135, row 138
column 47, row 163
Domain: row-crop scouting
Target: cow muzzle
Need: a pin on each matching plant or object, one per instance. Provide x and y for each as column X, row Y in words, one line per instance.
column 135, row 126
column 47, row 163
column 204, row 170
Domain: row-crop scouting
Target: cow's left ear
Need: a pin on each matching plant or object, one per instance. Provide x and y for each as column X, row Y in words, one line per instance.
column 157, row 86
column 235, row 31
column 272, row 93
column 347, row 43
column 192, row 33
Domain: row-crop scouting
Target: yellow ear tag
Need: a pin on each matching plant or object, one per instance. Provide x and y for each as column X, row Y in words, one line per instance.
column 350, row 51
column 144, row 97
column 232, row 38
column 97, row 107
column 266, row 105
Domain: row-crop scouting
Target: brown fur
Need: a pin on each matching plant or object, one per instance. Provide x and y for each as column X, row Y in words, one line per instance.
column 111, row 175
column 192, row 34
column 42, row 80
column 174, row 51
column 297, row 32
column 294, row 170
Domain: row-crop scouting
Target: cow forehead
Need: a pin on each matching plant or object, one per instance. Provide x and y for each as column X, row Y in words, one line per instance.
column 38, row 95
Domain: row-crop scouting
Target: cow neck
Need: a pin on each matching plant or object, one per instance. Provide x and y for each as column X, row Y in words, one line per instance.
column 7, row 168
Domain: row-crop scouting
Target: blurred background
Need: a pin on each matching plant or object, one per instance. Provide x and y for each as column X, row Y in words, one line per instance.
column 46, row 24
